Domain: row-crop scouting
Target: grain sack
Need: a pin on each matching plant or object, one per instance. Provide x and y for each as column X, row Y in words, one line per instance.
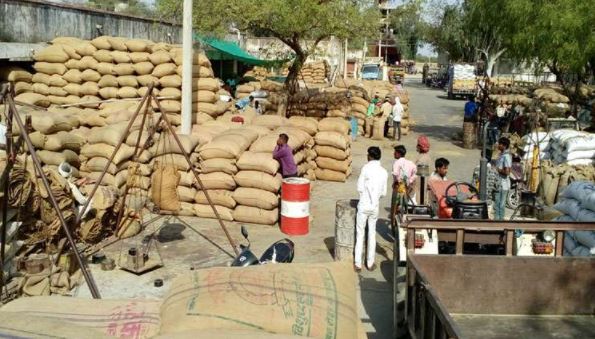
column 108, row 81
column 99, row 164
column 117, row 180
column 146, row 80
column 177, row 160
column 255, row 215
column 330, row 175
column 219, row 165
column 328, row 288
column 206, row 211
column 171, row 93
column 40, row 88
column 270, row 121
column 104, row 150
column 136, row 57
column 52, row 54
column 205, row 84
column 334, row 124
column 103, row 55
column 40, row 78
column 160, row 57
column 63, row 140
column 120, row 57
column 164, row 183
column 256, row 198
column 204, row 96
column 378, row 129
column 87, row 62
column 73, row 76
column 32, row 99
column 171, row 81
column 186, row 209
column 226, row 147
column 124, row 69
column 259, row 180
column 108, row 92
column 218, row 197
column 217, row 180
column 127, row 92
column 56, row 158
column 262, row 162
column 90, row 75
column 143, row 68
column 117, row 43
column 332, row 152
column 308, row 125
column 162, row 70
column 334, row 139
column 136, row 45
column 105, row 68
column 84, row 48
column 127, row 81
column 50, row 68
column 110, row 135
column 167, row 144
column 160, row 46
column 89, row 88
column 186, row 194
column 15, row 74
column 101, row 42
column 82, row 318
column 335, row 165
column 22, row 87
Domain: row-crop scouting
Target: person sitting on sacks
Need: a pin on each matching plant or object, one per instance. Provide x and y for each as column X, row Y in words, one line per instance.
column 65, row 171
column 284, row 155
column 245, row 102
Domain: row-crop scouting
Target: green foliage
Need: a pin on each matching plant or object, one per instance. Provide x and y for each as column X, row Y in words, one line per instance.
column 407, row 27
column 134, row 7
column 300, row 24
column 450, row 35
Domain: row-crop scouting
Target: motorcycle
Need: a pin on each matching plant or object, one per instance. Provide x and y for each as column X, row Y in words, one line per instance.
column 517, row 183
column 281, row 251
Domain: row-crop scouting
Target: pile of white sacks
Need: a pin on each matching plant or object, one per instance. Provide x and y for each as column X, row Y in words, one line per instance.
column 577, row 203
column 572, row 147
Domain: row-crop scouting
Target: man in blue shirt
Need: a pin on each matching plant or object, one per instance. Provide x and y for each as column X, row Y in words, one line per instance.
column 503, row 166
column 470, row 110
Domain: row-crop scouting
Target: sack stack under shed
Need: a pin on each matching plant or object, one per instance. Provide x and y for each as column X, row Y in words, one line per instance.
column 20, row 77
column 315, row 72
column 333, row 149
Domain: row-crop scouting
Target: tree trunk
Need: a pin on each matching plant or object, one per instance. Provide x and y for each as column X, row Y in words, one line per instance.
column 491, row 61
column 291, row 83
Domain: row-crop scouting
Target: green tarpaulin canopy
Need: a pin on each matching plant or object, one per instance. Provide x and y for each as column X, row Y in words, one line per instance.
column 226, row 50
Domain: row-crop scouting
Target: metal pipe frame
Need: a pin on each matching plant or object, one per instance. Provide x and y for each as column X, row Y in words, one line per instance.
column 13, row 114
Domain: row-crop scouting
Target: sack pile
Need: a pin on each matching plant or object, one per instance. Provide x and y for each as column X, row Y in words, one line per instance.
column 218, row 166
column 510, row 99
column 258, row 73
column 406, row 122
column 333, row 149
column 577, row 203
column 552, row 102
column 359, row 107
column 315, row 72
column 20, row 77
column 244, row 90
column 572, row 147
column 276, row 100
column 555, row 178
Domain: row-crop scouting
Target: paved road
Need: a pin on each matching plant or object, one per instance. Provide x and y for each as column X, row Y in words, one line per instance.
column 192, row 242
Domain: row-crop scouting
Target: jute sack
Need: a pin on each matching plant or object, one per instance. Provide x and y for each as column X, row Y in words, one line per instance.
column 73, row 76
column 136, row 45
column 205, row 107
column 255, row 215
column 56, row 158
column 186, row 194
column 40, row 88
column 87, row 62
column 104, row 150
column 167, row 144
column 47, row 123
column 263, row 162
column 136, row 57
column 103, row 55
column 217, row 180
column 68, row 317
column 204, row 96
column 332, row 152
column 332, row 164
column 127, row 80
column 56, row 80
column 226, row 147
column 57, row 91
column 22, row 87
column 101, row 42
column 162, row 70
column 143, row 68
column 259, row 180
column 73, row 89
column 218, row 197
column 186, row 209
column 309, row 125
column 146, row 80
column 203, row 300
column 64, row 140
column 164, row 183
column 110, row 135
column 98, row 164
column 378, row 129
column 205, row 84
column 139, row 182
column 369, row 124
column 90, row 75
column 334, row 124
column 206, row 211
column 51, row 54
column 108, row 92
column 270, row 121
column 15, row 74
column 171, row 81
column 89, row 88
column 177, row 160
column 171, row 93
column 334, row 139
column 120, row 57
column 330, row 175
column 108, row 81
column 127, row 92
column 160, row 57
column 219, row 165
column 160, row 46
column 116, row 180
column 33, row 99
column 124, row 69
column 117, row 43
column 41, row 78
column 187, row 178
column 267, row 143
column 256, row 198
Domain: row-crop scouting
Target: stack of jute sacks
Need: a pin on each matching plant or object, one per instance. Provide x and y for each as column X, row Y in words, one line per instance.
column 314, row 72
column 333, row 149
column 319, row 103
column 552, row 101
column 555, row 178
column 72, row 71
column 244, row 90
column 20, row 77
column 276, row 100
column 359, row 107
column 406, row 121
column 258, row 73
column 218, row 166
column 309, row 125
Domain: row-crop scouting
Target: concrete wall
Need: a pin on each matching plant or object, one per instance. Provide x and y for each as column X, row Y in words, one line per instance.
column 31, row 21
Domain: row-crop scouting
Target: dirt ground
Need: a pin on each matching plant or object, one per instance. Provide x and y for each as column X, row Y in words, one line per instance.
column 185, row 243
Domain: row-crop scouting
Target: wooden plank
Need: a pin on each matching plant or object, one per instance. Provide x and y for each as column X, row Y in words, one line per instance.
column 493, row 225
column 509, row 242
column 559, row 244
column 460, row 241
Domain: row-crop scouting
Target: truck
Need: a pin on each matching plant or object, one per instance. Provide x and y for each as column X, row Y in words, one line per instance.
column 495, row 296
column 461, row 81
column 372, row 71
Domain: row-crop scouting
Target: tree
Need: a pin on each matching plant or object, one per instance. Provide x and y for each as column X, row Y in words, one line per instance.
column 299, row 24
column 448, row 34
column 407, row 27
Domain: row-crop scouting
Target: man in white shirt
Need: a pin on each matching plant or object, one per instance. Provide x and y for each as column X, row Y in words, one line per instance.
column 371, row 186
column 398, row 111
column 441, row 170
